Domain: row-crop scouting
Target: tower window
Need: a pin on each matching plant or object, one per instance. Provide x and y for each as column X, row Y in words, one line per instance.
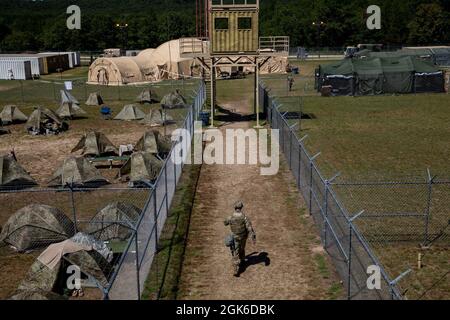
column 221, row 23
column 244, row 23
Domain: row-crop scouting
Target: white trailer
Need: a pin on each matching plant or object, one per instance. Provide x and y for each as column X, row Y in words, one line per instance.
column 15, row 70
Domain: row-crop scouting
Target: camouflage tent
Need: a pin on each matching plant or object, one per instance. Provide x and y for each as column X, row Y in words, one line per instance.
column 129, row 113
column 147, row 96
column 116, row 221
column 35, row 226
column 154, row 142
column 91, row 264
column 79, row 172
column 95, row 144
column 94, row 99
column 11, row 114
column 142, row 166
column 43, row 121
column 13, row 175
column 174, row 100
column 157, row 118
column 66, row 96
column 36, row 295
column 69, row 110
column 40, row 279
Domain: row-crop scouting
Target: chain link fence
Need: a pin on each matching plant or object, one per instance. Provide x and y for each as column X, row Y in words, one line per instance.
column 133, row 269
column 48, row 91
column 341, row 235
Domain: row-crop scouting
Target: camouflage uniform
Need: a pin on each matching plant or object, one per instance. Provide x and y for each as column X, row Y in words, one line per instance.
column 241, row 227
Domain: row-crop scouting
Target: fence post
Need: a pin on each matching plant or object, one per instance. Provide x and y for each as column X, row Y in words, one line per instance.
column 428, row 209
column 327, row 185
column 311, row 166
column 21, row 89
column 349, row 261
column 138, row 268
column 155, row 218
column 74, row 212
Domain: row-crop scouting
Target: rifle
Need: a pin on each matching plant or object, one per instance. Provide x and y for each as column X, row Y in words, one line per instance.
column 229, row 242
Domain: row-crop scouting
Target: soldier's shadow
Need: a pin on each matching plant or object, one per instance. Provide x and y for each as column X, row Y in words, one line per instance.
column 256, row 258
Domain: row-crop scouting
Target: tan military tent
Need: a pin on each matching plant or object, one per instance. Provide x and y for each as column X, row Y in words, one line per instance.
column 11, row 114
column 95, row 144
column 36, row 295
column 147, row 96
column 116, row 221
column 94, row 99
column 157, row 117
column 13, row 175
column 35, row 226
column 154, row 142
column 69, row 110
column 130, row 113
column 114, row 71
column 174, row 100
column 44, row 120
column 149, row 65
column 142, row 166
column 39, row 280
column 77, row 171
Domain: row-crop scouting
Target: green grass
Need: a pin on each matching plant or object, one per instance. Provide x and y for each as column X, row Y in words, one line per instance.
column 388, row 137
column 167, row 264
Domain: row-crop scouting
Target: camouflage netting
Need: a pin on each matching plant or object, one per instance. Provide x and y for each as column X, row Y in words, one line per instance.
column 94, row 99
column 174, row 100
column 142, row 166
column 114, row 222
column 154, row 142
column 77, row 171
column 130, row 113
column 13, row 175
column 12, row 114
column 147, row 96
column 36, row 226
column 157, row 118
column 96, row 144
column 69, row 110
column 43, row 119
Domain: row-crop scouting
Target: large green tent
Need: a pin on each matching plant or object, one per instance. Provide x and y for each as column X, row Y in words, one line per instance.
column 378, row 75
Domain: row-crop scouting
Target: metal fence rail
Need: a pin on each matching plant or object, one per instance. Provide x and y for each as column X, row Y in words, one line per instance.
column 340, row 233
column 133, row 269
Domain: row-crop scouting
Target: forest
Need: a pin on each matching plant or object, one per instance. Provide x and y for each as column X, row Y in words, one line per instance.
column 27, row 25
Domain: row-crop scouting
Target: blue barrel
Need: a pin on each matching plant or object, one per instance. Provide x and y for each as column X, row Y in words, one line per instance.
column 205, row 117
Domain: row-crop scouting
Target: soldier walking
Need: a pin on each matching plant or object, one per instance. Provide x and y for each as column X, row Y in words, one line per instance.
column 241, row 227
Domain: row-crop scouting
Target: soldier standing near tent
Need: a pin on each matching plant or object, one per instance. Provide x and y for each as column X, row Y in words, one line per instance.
column 241, row 227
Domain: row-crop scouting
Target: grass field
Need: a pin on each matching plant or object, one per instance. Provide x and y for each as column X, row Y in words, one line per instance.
column 382, row 138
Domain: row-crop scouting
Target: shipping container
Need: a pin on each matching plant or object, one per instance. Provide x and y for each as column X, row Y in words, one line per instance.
column 55, row 62
column 74, row 57
column 15, row 70
column 37, row 63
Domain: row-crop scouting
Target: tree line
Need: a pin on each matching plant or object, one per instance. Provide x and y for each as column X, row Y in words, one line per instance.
column 31, row 25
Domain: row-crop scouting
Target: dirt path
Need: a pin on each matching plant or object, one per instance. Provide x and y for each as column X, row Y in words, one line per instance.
column 296, row 268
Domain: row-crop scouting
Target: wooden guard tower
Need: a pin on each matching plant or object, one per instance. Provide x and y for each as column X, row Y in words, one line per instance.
column 233, row 41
